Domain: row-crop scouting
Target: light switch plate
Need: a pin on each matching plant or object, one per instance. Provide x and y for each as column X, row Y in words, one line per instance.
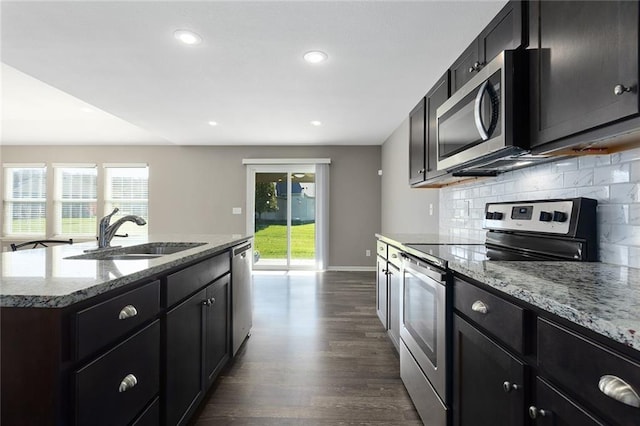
column 237, row 210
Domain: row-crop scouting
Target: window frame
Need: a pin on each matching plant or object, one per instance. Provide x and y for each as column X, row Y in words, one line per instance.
column 7, row 199
column 59, row 201
column 109, row 201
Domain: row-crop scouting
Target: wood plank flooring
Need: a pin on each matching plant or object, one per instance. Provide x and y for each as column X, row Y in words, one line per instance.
column 318, row 355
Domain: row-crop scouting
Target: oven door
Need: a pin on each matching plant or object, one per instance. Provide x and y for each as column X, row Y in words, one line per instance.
column 423, row 320
column 471, row 123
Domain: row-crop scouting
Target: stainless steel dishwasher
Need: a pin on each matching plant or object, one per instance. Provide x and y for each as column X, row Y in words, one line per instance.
column 242, row 308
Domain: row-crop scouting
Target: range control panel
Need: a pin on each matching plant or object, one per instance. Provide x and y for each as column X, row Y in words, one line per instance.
column 532, row 216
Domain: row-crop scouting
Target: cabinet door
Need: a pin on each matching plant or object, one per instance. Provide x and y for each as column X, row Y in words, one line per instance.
column 217, row 327
column 555, row 409
column 582, row 51
column 463, row 69
column 184, row 352
column 504, row 32
column 394, row 304
column 436, row 97
column 417, row 143
column 488, row 381
column 381, row 291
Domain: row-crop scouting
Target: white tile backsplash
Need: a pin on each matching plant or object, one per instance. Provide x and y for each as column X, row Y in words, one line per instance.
column 613, row 180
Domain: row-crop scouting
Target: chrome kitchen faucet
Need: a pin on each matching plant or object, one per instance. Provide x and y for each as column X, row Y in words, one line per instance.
column 106, row 232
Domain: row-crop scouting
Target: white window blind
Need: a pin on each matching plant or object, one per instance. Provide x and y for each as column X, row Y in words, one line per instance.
column 25, row 199
column 75, row 201
column 127, row 188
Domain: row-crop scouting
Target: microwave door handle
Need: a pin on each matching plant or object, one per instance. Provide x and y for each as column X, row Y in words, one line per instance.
column 477, row 111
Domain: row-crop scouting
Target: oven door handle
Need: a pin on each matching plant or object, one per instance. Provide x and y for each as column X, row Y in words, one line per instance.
column 425, row 270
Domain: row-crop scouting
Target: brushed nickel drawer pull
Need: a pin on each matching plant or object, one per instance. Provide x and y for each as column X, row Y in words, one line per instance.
column 127, row 383
column 535, row 412
column 210, row 301
column 128, row 311
column 508, row 386
column 616, row 388
column 479, row 306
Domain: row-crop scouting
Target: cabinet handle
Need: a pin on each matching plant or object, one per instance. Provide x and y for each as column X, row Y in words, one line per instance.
column 128, row 311
column 477, row 66
column 395, row 256
column 421, row 171
column 508, row 386
column 210, row 301
column 619, row 89
column 616, row 388
column 127, row 383
column 535, row 412
column 243, row 255
column 384, row 271
column 479, row 306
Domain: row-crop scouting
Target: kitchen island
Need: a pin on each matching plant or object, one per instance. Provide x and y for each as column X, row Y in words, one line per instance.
column 118, row 339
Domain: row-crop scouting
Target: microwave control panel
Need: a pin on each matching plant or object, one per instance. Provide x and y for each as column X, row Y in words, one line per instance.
column 540, row 216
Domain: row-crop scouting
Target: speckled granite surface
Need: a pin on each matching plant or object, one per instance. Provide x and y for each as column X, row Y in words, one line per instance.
column 601, row 297
column 45, row 278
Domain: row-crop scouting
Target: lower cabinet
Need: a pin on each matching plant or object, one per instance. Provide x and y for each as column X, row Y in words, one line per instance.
column 553, row 408
column 382, row 292
column 489, row 382
column 393, row 278
column 197, row 347
column 112, row 389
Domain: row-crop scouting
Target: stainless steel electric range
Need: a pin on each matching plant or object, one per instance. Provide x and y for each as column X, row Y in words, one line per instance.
column 516, row 231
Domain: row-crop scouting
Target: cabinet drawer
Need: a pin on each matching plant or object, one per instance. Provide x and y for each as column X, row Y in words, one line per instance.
column 104, row 323
column 563, row 411
column 184, row 282
column 497, row 316
column 382, row 249
column 115, row 387
column 394, row 256
column 579, row 365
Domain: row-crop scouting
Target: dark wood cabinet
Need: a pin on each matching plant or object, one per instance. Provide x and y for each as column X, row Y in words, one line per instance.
column 423, row 136
column 198, row 342
column 217, row 327
column 184, row 358
column 582, row 57
column 504, row 32
column 553, row 408
column 438, row 94
column 489, row 382
column 417, row 141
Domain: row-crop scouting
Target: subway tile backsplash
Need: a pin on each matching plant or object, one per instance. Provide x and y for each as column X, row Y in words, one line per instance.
column 613, row 180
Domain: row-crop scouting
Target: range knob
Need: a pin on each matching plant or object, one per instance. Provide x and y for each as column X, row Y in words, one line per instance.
column 497, row 215
column 559, row 216
column 545, row 217
column 489, row 215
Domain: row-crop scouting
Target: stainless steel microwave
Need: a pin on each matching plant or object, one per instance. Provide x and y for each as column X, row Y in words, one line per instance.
column 483, row 121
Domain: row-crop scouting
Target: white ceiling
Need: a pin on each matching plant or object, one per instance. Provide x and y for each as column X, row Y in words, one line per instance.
column 143, row 87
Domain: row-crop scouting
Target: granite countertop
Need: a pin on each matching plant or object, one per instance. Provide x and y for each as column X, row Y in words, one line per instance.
column 601, row 297
column 426, row 239
column 45, row 278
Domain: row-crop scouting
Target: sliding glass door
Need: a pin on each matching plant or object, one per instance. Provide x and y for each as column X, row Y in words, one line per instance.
column 284, row 216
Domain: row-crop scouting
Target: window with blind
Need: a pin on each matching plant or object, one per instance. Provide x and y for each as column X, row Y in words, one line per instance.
column 76, row 197
column 25, row 199
column 127, row 188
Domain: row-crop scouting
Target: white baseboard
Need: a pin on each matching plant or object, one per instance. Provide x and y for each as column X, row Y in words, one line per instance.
column 352, row 268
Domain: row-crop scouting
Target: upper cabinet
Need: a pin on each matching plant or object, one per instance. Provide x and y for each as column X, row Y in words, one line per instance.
column 417, row 139
column 504, row 32
column 583, row 66
column 423, row 149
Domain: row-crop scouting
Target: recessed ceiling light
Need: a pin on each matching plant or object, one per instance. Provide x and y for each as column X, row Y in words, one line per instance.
column 316, row 123
column 187, row 37
column 315, row 57
column 213, row 123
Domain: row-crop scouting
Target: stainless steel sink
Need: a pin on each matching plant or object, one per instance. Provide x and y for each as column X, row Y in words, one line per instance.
column 138, row 252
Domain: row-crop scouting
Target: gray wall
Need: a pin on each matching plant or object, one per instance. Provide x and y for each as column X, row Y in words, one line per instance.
column 404, row 210
column 613, row 180
column 193, row 189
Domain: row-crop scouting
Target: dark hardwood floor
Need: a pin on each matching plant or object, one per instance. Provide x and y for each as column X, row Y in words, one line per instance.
column 318, row 355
